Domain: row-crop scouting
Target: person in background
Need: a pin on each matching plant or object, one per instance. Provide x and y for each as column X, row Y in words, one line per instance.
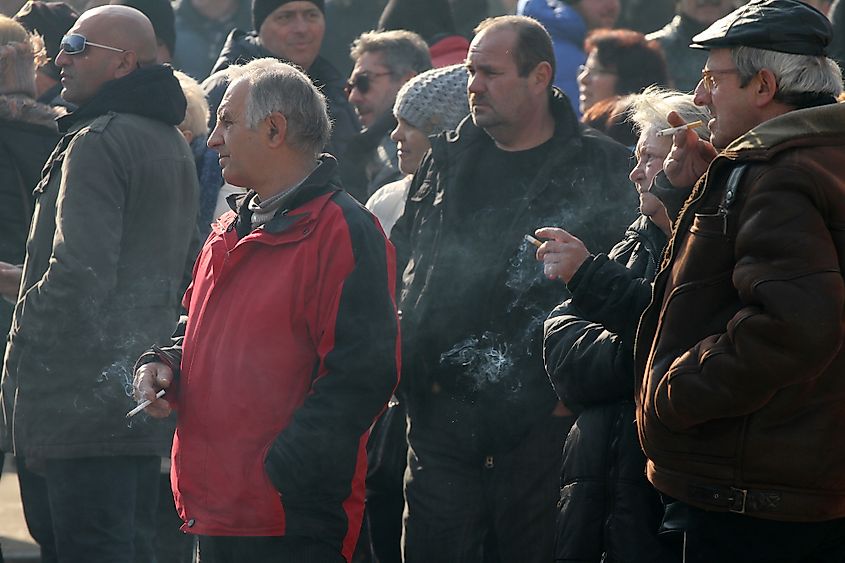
column 694, row 16
column 309, row 361
column 485, row 428
column 384, row 61
column 160, row 14
column 428, row 104
column 645, row 15
column 610, row 116
column 106, row 258
column 50, row 20
column 739, row 357
column 291, row 31
column 433, row 21
column 202, row 27
column 619, row 62
column 28, row 134
column 608, row 510
column 568, row 22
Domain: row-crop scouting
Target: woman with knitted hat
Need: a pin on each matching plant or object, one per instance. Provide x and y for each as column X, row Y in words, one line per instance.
column 428, row 104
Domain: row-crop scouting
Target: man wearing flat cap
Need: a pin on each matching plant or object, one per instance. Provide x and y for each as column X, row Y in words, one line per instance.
column 740, row 355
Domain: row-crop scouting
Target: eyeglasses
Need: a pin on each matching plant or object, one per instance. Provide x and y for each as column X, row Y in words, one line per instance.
column 707, row 76
column 362, row 82
column 584, row 69
column 74, row 44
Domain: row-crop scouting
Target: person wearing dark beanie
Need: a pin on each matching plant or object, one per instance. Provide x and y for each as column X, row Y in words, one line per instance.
column 160, row 14
column 50, row 20
column 263, row 8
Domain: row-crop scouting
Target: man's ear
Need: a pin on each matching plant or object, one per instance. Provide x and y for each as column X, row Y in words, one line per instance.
column 766, row 87
column 542, row 75
column 127, row 65
column 277, row 127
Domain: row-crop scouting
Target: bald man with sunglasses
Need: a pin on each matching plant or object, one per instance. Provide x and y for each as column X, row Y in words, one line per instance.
column 106, row 258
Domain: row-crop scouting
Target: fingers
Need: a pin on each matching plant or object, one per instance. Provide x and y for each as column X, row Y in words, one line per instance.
column 554, row 233
column 674, row 119
column 150, row 378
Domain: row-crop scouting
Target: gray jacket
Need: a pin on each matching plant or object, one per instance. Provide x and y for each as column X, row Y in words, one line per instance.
column 106, row 258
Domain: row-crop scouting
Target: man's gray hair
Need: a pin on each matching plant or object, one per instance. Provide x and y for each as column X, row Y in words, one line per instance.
column 649, row 109
column 796, row 75
column 403, row 52
column 279, row 87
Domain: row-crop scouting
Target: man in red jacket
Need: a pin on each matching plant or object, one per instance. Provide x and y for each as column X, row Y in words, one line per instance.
column 289, row 349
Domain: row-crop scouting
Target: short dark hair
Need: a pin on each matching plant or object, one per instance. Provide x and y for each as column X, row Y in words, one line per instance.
column 637, row 62
column 533, row 43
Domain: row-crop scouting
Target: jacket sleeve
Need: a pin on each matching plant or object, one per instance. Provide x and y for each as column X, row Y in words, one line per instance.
column 86, row 244
column 356, row 336
column 608, row 293
column 789, row 327
column 587, row 364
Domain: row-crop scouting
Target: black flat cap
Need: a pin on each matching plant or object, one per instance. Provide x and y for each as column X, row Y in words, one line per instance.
column 786, row 26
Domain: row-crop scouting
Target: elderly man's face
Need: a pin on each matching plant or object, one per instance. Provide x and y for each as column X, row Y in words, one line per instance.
column 372, row 87
column 731, row 105
column 294, row 31
column 85, row 73
column 239, row 147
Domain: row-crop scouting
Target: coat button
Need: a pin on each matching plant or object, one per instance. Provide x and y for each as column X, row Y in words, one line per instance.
column 191, row 523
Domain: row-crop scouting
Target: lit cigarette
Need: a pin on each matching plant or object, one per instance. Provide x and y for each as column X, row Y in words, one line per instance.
column 144, row 404
column 533, row 241
column 673, row 130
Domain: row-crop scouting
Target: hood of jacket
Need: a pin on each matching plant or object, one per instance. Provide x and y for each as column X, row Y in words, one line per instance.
column 150, row 91
column 791, row 129
column 241, row 47
column 561, row 20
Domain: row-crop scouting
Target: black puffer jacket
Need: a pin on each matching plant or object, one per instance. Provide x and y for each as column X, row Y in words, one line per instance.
column 28, row 135
column 484, row 344
column 608, row 510
column 242, row 47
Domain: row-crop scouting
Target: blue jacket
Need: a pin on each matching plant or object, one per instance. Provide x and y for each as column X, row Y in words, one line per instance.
column 568, row 30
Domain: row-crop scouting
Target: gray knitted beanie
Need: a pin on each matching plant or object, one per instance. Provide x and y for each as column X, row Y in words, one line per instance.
column 435, row 100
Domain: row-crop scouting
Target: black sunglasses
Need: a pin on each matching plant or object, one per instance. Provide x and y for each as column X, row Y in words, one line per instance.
column 74, row 44
column 362, row 82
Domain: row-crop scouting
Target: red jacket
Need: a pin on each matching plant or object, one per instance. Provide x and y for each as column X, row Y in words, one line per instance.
column 290, row 351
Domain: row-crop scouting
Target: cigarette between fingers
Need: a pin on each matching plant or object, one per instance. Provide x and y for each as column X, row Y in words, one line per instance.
column 533, row 241
column 673, row 130
column 144, row 404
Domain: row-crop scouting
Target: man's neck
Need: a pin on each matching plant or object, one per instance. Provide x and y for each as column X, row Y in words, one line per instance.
column 530, row 133
column 284, row 180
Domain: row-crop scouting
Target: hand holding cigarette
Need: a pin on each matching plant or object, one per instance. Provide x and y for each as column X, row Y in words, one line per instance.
column 151, row 380
column 690, row 155
column 562, row 254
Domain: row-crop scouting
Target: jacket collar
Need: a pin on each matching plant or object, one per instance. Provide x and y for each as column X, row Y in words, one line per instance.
column 320, row 182
column 791, row 129
column 150, row 91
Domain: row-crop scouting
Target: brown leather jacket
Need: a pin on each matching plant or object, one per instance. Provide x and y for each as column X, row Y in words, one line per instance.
column 742, row 373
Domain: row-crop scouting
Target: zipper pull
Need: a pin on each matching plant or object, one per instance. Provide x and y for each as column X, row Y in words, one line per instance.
column 724, row 213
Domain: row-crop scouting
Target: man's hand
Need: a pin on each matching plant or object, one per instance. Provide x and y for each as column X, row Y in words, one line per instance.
column 149, row 380
column 10, row 280
column 690, row 155
column 562, row 254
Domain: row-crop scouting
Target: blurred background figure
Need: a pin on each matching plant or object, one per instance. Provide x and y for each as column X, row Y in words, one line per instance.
column 28, row 134
column 201, row 29
column 160, row 14
column 568, row 22
column 50, row 20
column 608, row 510
column 646, row 15
column 433, row 102
column 619, row 62
column 694, row 16
column 346, row 20
column 610, row 116
column 434, row 22
column 384, row 61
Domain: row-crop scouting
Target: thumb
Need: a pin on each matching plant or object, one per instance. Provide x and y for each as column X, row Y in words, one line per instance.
column 674, row 119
